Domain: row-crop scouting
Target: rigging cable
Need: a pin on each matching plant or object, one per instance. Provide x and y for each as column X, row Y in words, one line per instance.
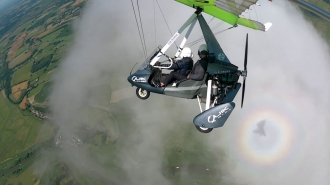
column 216, row 26
column 144, row 41
column 255, row 12
column 202, row 38
column 155, row 23
column 210, row 20
column 166, row 22
column 137, row 24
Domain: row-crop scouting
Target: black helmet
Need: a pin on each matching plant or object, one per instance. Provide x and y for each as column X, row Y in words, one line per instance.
column 202, row 50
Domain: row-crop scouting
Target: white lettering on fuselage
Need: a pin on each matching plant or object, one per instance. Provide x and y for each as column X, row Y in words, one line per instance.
column 223, row 71
column 213, row 118
column 136, row 79
column 176, row 35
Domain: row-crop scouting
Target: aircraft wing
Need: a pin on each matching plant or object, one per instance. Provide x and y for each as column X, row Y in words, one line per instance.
column 228, row 11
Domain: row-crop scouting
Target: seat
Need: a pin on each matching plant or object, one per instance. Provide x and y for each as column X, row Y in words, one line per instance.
column 186, row 88
column 189, row 82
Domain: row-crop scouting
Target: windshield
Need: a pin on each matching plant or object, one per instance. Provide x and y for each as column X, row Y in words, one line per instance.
column 145, row 64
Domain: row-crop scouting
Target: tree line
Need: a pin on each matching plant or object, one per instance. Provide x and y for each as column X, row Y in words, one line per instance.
column 44, row 62
column 41, row 21
column 4, row 72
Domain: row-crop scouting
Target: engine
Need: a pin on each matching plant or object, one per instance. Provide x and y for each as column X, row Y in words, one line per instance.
column 221, row 84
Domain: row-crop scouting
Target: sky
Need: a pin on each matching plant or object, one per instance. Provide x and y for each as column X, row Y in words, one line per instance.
column 286, row 86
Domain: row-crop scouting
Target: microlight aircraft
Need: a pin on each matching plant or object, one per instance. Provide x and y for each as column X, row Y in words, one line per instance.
column 220, row 83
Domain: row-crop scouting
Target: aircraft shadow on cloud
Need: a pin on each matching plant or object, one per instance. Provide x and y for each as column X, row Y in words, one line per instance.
column 260, row 128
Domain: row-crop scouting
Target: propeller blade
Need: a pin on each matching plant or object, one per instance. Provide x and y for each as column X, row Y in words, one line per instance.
column 245, row 68
column 246, row 52
column 243, row 91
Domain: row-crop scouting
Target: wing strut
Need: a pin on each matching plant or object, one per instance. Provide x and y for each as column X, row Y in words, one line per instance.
column 185, row 38
column 175, row 36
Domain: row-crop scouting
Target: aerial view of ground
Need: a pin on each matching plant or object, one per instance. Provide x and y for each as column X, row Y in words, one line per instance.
column 34, row 36
column 68, row 116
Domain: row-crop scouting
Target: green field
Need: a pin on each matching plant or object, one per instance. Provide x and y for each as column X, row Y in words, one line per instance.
column 52, row 66
column 18, row 131
column 50, row 37
column 20, row 50
column 22, row 74
column 35, row 90
column 14, row 129
column 43, row 45
column 324, row 4
column 42, row 79
column 44, row 93
column 43, row 54
column 19, row 135
column 9, row 43
column 28, row 177
column 36, row 76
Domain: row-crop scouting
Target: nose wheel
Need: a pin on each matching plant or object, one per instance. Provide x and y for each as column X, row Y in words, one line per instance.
column 142, row 94
column 203, row 129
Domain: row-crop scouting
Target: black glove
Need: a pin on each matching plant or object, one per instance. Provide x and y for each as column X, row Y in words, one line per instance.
column 157, row 64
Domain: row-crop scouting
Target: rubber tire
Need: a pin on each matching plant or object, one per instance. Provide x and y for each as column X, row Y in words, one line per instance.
column 138, row 90
column 208, row 130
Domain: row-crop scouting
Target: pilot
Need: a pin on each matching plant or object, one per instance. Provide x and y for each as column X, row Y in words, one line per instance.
column 197, row 72
column 200, row 67
column 180, row 67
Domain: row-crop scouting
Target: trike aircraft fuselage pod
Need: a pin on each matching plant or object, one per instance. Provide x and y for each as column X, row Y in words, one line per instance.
column 141, row 78
column 217, row 89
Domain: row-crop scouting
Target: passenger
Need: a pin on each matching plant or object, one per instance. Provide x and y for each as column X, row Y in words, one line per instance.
column 180, row 67
column 197, row 72
column 200, row 67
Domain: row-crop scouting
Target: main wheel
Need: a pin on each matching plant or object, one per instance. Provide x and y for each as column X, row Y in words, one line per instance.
column 142, row 94
column 203, row 129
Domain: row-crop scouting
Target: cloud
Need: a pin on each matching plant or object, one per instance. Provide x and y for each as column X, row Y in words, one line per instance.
column 286, row 86
column 105, row 48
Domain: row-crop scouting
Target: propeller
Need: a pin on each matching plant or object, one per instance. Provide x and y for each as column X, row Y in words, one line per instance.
column 244, row 73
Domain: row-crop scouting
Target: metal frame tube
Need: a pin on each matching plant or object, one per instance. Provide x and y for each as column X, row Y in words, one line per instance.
column 208, row 94
column 173, row 38
column 199, row 103
column 186, row 37
column 160, row 67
